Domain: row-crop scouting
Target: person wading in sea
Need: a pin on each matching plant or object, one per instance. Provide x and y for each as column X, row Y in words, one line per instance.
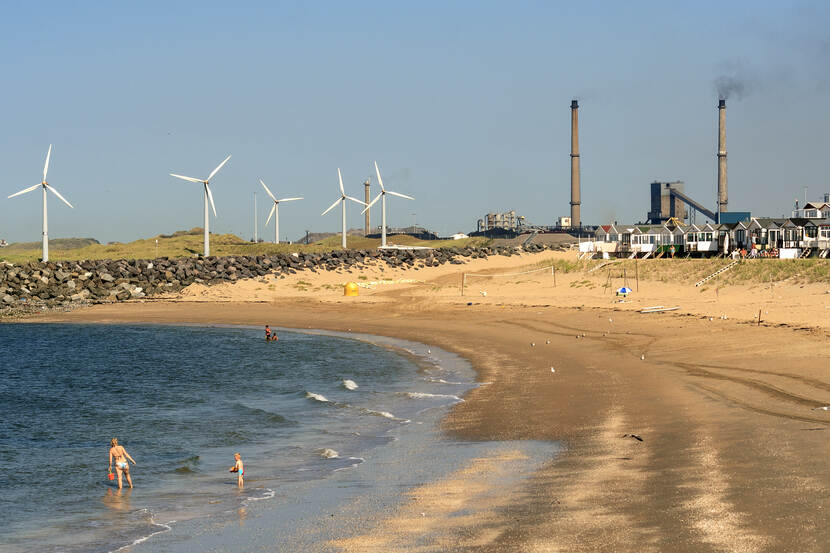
column 120, row 455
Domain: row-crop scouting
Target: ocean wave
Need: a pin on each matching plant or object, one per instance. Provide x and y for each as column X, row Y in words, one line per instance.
column 162, row 528
column 384, row 414
column 317, row 397
column 442, row 381
column 424, row 395
column 268, row 493
column 353, row 465
column 349, row 384
column 258, row 413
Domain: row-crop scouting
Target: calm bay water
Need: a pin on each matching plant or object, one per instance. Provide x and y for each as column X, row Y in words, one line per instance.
column 182, row 400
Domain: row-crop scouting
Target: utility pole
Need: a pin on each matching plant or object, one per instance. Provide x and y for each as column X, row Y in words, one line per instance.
column 306, row 238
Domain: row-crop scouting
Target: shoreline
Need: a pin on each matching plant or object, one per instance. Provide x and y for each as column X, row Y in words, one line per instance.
column 732, row 448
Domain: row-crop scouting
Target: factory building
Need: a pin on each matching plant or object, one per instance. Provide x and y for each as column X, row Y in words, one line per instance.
column 665, row 202
column 507, row 220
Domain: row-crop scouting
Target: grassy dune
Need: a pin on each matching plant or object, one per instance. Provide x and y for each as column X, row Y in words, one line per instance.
column 190, row 243
column 690, row 271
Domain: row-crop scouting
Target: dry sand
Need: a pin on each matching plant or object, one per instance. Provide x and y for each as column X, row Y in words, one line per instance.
column 733, row 454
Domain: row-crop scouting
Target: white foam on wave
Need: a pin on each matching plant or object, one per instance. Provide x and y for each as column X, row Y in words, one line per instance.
column 267, row 494
column 317, row 397
column 424, row 395
column 353, row 465
column 329, row 454
column 386, row 415
column 349, row 384
column 442, row 381
column 164, row 528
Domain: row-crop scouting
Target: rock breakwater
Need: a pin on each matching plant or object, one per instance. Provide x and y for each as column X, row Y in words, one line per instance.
column 37, row 285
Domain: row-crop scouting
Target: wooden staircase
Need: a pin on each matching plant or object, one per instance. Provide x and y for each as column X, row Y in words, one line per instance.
column 716, row 273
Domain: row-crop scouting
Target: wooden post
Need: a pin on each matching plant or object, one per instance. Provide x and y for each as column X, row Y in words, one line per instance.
column 637, row 273
column 553, row 270
column 759, row 317
column 463, row 275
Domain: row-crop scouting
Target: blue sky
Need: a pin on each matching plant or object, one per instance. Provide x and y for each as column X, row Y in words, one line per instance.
column 465, row 106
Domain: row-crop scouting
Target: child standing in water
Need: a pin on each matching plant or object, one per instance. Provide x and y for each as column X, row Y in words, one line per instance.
column 239, row 469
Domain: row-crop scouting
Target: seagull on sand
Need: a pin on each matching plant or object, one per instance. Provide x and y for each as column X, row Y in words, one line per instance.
column 635, row 436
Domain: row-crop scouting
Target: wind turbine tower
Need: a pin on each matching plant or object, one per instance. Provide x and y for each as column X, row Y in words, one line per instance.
column 208, row 197
column 275, row 211
column 45, row 186
column 382, row 196
column 342, row 200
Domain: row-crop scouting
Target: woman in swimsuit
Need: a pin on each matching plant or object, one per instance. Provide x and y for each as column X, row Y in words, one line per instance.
column 121, row 465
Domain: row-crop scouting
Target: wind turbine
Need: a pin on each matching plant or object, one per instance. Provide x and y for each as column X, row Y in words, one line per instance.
column 382, row 196
column 275, row 211
column 45, row 185
column 342, row 199
column 208, row 196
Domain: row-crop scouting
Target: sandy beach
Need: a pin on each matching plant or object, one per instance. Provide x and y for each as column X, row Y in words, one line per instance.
column 690, row 430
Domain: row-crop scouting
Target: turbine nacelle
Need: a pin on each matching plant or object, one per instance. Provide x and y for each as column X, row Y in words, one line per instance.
column 384, row 191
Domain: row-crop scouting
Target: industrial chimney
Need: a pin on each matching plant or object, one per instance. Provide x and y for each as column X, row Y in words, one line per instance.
column 575, row 203
column 367, row 185
column 722, row 182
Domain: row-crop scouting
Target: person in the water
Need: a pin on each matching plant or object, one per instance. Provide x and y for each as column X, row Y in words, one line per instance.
column 239, row 468
column 122, row 467
column 267, row 333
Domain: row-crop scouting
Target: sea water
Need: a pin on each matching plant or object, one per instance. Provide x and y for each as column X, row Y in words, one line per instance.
column 324, row 423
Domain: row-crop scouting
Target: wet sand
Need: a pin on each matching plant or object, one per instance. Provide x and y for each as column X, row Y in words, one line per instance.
column 733, row 454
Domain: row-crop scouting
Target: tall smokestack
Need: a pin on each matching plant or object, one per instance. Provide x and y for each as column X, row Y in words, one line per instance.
column 575, row 203
column 722, row 183
column 367, row 185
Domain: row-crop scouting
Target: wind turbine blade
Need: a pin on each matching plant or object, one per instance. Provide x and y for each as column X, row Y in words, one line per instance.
column 273, row 209
column 332, row 206
column 288, row 199
column 46, row 165
column 380, row 180
column 191, row 179
column 339, row 176
column 26, row 190
column 210, row 197
column 217, row 168
column 400, row 195
column 58, row 194
column 373, row 202
column 266, row 190
column 355, row 200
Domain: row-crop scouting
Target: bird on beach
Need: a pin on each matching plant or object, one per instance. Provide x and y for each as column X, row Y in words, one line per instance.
column 635, row 436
